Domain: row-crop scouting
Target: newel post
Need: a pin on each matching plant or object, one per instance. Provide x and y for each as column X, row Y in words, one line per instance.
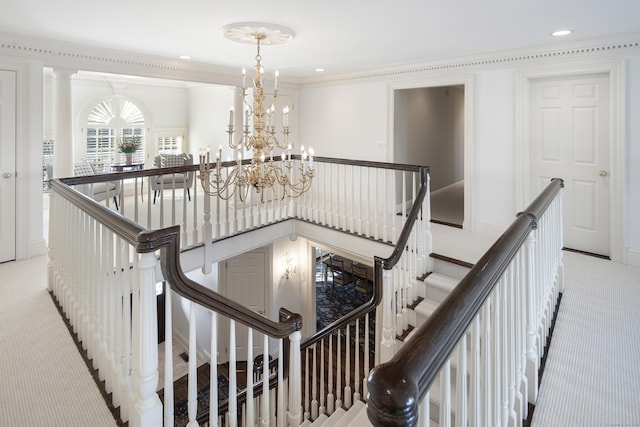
column 294, row 416
column 530, row 285
column 388, row 343
column 147, row 408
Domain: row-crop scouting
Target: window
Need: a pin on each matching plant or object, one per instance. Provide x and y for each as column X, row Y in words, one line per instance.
column 169, row 144
column 109, row 122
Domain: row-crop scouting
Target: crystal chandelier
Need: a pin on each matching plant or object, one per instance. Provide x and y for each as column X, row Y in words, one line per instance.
column 286, row 177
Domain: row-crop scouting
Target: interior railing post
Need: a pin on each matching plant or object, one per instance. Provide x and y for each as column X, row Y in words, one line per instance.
column 532, row 351
column 168, row 359
column 387, row 344
column 207, row 232
column 294, row 416
column 147, row 410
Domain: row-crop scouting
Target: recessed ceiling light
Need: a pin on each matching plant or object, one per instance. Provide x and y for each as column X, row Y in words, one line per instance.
column 319, row 70
column 561, row 33
column 185, row 57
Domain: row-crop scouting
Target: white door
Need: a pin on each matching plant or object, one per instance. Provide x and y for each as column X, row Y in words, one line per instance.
column 7, row 165
column 246, row 280
column 570, row 140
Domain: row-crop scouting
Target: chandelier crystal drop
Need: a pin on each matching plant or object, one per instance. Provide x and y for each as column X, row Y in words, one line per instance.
column 267, row 171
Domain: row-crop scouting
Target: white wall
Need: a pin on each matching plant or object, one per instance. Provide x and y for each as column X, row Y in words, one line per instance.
column 353, row 121
column 209, row 117
column 345, row 121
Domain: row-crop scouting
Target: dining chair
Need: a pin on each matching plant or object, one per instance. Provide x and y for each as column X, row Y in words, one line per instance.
column 339, row 275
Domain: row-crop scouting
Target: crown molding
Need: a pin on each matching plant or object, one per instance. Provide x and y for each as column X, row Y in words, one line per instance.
column 628, row 44
column 59, row 54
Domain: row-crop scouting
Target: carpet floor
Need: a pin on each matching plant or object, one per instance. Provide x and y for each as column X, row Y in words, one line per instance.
column 592, row 373
column 45, row 381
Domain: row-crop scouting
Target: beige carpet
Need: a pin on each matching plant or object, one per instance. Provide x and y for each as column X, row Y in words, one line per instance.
column 44, row 381
column 592, row 375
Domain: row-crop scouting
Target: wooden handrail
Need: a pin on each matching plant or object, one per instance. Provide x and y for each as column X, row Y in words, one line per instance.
column 114, row 176
column 396, row 387
column 167, row 240
column 379, row 265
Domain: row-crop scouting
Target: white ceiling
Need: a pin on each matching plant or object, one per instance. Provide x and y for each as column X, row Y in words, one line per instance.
column 342, row 36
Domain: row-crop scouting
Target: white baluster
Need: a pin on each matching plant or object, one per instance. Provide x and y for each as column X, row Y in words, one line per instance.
column 264, row 408
column 475, row 392
column 356, row 355
column 461, row 384
column 307, row 397
column 347, row 369
column 486, row 362
column 366, row 355
column 330, row 396
column 213, row 376
column 192, row 394
column 233, row 380
column 322, row 409
column 314, row 386
column 249, row 412
column 338, row 372
column 445, row 395
column 168, row 359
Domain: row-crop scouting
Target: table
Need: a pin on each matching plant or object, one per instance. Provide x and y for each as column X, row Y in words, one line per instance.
column 127, row 167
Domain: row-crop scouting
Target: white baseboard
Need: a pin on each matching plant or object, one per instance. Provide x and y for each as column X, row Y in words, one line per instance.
column 633, row 257
column 38, row 247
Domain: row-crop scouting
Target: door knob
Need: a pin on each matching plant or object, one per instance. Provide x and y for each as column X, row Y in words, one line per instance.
column 6, row 175
column 603, row 173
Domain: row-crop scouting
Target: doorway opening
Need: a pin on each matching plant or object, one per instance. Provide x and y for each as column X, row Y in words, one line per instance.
column 429, row 129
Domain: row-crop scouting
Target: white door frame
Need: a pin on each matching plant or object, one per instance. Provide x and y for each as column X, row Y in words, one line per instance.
column 615, row 70
column 8, row 167
column 467, row 82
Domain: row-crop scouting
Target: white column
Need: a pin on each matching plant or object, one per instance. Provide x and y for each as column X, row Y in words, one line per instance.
column 62, row 122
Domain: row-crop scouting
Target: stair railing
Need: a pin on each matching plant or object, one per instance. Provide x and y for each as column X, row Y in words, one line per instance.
column 490, row 329
column 394, row 277
column 102, row 272
column 349, row 203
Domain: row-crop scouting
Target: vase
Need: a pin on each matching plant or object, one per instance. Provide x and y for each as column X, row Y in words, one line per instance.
column 128, row 157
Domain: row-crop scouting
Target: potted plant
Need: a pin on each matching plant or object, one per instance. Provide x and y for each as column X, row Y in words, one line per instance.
column 128, row 146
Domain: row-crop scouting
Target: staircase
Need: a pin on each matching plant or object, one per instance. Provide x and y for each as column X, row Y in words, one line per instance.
column 432, row 290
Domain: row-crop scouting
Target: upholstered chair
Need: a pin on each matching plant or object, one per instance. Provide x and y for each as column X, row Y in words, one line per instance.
column 172, row 180
column 98, row 191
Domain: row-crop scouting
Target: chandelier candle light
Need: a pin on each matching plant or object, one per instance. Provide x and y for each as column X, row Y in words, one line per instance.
column 258, row 134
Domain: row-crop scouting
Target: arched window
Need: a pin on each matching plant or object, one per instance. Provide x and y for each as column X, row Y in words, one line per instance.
column 109, row 122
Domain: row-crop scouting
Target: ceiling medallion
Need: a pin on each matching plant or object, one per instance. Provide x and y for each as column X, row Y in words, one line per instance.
column 248, row 32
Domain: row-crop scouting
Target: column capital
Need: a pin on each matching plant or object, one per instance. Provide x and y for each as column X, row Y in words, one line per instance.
column 64, row 73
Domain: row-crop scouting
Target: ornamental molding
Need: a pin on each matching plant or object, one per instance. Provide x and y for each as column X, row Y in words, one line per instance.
column 76, row 56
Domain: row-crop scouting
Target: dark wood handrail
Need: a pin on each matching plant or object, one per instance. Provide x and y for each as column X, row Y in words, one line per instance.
column 379, row 265
column 396, row 387
column 114, row 176
column 167, row 240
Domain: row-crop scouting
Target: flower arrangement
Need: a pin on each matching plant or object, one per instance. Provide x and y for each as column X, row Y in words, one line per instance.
column 129, row 144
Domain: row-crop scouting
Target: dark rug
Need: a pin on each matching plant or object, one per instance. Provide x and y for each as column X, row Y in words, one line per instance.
column 332, row 305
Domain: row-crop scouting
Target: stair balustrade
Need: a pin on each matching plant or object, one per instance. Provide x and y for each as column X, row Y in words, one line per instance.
column 104, row 271
column 475, row 360
column 337, row 350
